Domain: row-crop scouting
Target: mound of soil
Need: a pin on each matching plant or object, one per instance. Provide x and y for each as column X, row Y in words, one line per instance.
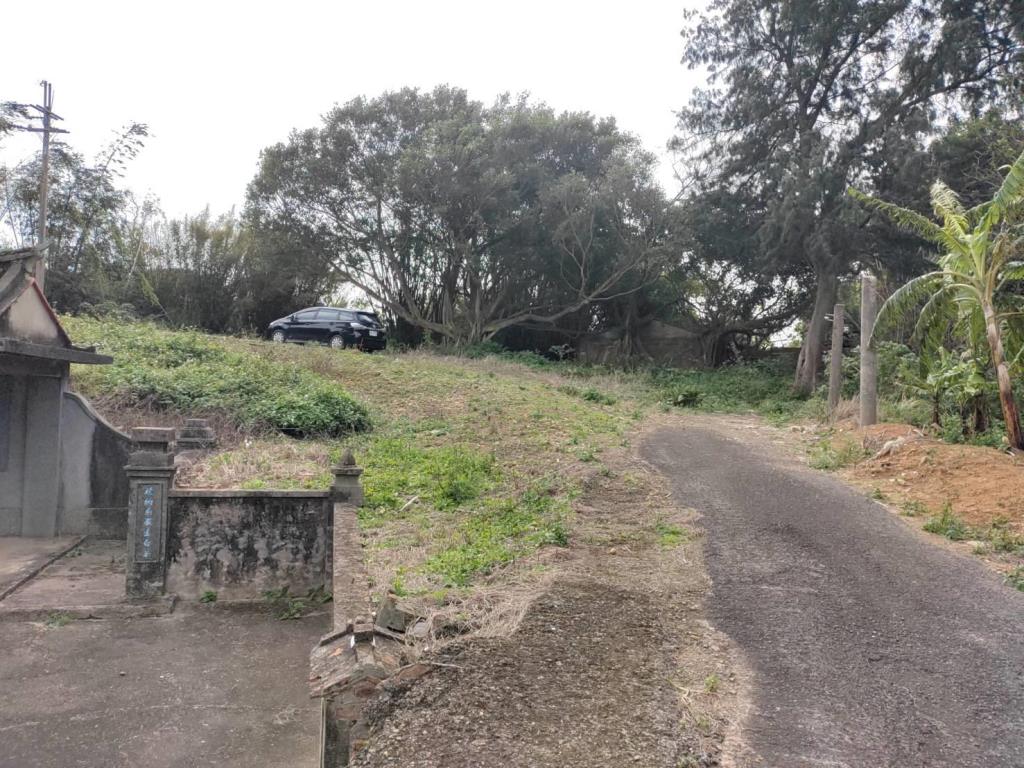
column 982, row 485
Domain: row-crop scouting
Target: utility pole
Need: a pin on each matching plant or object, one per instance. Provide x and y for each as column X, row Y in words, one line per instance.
column 868, row 357
column 47, row 116
column 835, row 375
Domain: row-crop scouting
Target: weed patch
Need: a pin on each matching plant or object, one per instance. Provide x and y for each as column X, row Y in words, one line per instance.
column 589, row 394
column 399, row 471
column 762, row 387
column 948, row 524
column 499, row 532
column 712, row 684
column 1015, row 578
column 913, row 508
column 670, row 535
column 829, row 457
column 1002, row 539
column 57, row 619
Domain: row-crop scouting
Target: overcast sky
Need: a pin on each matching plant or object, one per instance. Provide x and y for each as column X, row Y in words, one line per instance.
column 217, row 81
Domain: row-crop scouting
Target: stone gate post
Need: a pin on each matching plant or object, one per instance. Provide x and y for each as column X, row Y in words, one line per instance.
column 356, row 656
column 150, row 473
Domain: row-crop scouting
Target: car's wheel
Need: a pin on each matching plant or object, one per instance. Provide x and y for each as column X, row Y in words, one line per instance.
column 337, row 341
column 278, row 337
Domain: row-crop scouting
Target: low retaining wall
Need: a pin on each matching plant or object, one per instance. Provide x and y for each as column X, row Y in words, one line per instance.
column 239, row 543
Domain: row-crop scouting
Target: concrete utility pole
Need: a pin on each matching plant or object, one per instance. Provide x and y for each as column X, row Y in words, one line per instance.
column 868, row 358
column 47, row 115
column 835, row 373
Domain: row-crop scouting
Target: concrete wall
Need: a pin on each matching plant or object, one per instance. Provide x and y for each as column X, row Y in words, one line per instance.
column 30, row 487
column 239, row 543
column 95, row 487
column 12, row 460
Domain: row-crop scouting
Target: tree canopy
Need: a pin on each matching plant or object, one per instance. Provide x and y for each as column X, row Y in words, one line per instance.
column 463, row 219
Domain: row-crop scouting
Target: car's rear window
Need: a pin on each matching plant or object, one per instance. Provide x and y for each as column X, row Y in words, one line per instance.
column 369, row 319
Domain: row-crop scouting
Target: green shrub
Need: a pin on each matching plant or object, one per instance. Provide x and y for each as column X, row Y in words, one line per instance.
column 192, row 373
column 948, row 524
column 686, row 397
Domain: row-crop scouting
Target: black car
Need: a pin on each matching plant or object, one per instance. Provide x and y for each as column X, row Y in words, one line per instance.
column 339, row 328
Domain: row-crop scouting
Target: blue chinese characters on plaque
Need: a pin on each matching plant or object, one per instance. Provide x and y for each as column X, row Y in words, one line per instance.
column 149, row 509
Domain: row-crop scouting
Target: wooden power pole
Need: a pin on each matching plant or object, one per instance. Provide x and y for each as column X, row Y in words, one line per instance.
column 868, row 357
column 835, row 372
column 47, row 116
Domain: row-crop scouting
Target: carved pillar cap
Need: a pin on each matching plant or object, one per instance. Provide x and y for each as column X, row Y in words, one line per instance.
column 347, row 466
column 154, row 439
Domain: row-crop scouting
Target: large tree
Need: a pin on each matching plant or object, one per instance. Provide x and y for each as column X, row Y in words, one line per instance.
column 807, row 96
column 463, row 219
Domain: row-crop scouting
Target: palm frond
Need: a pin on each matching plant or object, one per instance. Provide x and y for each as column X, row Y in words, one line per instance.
column 906, row 298
column 1007, row 197
column 911, row 221
column 947, row 206
column 1013, row 339
column 938, row 313
column 1011, row 191
column 1011, row 272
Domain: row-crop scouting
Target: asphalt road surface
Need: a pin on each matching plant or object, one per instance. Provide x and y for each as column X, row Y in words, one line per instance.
column 868, row 644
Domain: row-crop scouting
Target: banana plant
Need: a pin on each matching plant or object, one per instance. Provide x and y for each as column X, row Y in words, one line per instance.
column 980, row 257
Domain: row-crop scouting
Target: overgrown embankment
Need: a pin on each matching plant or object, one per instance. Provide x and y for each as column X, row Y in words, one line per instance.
column 471, row 465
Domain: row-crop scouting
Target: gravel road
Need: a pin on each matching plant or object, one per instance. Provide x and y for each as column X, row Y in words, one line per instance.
column 868, row 643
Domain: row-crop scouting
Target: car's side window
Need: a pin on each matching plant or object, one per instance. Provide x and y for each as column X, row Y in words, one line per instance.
column 306, row 317
column 328, row 316
column 347, row 317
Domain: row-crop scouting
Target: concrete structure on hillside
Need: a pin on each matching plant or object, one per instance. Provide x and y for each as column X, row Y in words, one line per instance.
column 61, row 465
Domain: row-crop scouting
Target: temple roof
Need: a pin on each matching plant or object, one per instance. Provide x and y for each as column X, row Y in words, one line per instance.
column 28, row 325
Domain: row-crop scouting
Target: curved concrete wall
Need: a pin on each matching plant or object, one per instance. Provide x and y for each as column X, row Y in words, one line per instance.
column 93, row 482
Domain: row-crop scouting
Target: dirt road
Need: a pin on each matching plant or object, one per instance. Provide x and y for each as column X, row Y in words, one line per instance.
column 868, row 644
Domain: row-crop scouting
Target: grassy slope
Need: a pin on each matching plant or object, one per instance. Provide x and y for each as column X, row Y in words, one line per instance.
column 470, row 464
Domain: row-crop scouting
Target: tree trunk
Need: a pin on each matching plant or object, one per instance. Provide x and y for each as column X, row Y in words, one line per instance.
column 1006, row 400
column 809, row 362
